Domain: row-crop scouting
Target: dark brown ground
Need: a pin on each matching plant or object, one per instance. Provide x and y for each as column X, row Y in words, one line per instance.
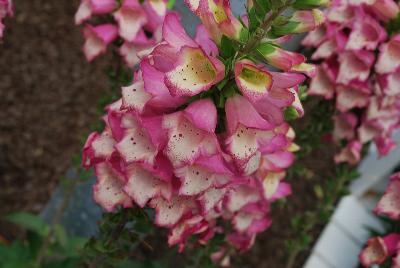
column 48, row 99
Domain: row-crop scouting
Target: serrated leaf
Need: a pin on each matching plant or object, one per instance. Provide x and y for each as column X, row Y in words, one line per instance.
column 30, row 222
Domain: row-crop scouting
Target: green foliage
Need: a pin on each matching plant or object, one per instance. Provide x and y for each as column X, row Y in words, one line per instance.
column 119, row 235
column 29, row 222
column 63, row 250
column 228, row 47
column 393, row 26
column 170, row 4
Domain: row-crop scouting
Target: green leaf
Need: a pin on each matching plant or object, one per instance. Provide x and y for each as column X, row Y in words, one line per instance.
column 30, row 222
column 170, row 4
column 244, row 35
column 254, row 22
column 228, row 49
column 291, row 113
column 61, row 235
column 275, row 4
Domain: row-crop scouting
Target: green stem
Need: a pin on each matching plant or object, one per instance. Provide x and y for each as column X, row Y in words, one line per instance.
column 261, row 31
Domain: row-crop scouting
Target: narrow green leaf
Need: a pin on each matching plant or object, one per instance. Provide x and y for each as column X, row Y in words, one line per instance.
column 30, row 222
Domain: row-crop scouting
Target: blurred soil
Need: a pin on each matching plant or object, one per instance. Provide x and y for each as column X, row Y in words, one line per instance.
column 48, row 98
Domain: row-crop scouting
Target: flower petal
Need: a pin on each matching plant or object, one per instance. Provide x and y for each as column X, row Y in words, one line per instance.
column 185, row 141
column 154, row 84
column 203, row 114
column 143, row 185
column 240, row 112
column 136, row 145
column 134, row 97
column 378, row 249
column 108, row 191
column 349, row 98
column 389, row 56
column 355, row 65
column 253, row 82
column 84, row 12
column 321, row 85
column 131, row 18
column 350, row 154
column 389, row 204
column 97, row 38
column 168, row 213
column 345, row 126
column 204, row 40
column 193, row 73
column 366, row 33
column 174, row 33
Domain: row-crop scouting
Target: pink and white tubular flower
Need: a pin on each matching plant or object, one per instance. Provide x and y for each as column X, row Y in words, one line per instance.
column 138, row 25
column 167, row 146
column 217, row 18
column 6, row 10
column 378, row 249
column 359, row 82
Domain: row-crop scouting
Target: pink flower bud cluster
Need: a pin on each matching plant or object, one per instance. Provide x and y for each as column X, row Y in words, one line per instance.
column 379, row 249
column 136, row 23
column 171, row 144
column 6, row 9
column 359, row 69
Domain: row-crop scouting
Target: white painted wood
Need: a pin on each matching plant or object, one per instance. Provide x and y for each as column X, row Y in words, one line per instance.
column 315, row 261
column 374, row 168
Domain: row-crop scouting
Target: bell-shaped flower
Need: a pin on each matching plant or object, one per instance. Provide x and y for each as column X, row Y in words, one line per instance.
column 130, row 18
column 188, row 227
column 321, row 84
column 141, row 138
column 355, row 65
column 350, row 154
column 345, row 126
column 188, row 68
column 89, row 7
column 98, row 148
column 248, row 132
column 378, row 249
column 389, row 204
column 349, row 98
column 170, row 212
column 280, row 58
column 385, row 9
column 301, row 21
column 191, row 133
column 389, row 56
column 204, row 173
column 253, row 82
column 108, row 191
column 334, row 45
column 251, row 219
column 315, row 37
column 146, row 182
column 217, row 17
column 366, row 34
column 97, row 38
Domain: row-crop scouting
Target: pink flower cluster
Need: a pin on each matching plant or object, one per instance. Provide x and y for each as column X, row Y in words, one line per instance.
column 137, row 23
column 379, row 249
column 6, row 9
column 359, row 68
column 167, row 146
